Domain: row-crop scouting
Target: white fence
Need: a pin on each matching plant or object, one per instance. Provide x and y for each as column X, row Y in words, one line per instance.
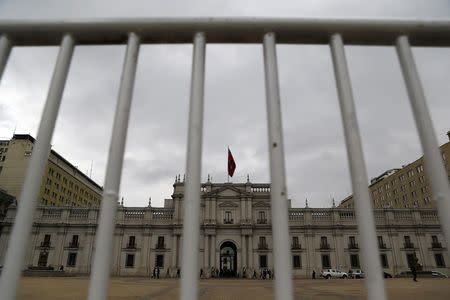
column 398, row 33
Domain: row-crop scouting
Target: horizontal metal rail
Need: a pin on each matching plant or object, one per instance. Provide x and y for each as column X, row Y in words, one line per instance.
column 227, row 30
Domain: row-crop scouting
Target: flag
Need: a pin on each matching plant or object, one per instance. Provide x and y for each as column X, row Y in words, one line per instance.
column 231, row 163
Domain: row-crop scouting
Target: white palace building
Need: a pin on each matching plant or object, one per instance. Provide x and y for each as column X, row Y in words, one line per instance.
column 236, row 233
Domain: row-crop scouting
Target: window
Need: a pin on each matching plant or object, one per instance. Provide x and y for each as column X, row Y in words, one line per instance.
column 295, row 243
column 72, row 259
column 414, row 194
column 129, row 263
column 419, row 169
column 160, row 244
column 410, row 173
column 402, row 177
column 262, row 216
column 412, row 183
column 354, row 260
column 384, row 261
column 297, row 262
column 352, row 242
column 262, row 242
column 46, row 242
column 403, row 188
column 74, row 242
column 263, row 261
column 381, row 244
column 326, row 261
column 422, row 179
column 440, row 263
column 228, row 218
column 132, row 241
column 324, row 243
column 160, row 261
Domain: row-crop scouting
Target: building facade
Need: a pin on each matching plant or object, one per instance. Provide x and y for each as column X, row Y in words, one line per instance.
column 406, row 187
column 236, row 234
column 62, row 183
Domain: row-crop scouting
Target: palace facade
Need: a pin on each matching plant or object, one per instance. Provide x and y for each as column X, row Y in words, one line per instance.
column 236, row 233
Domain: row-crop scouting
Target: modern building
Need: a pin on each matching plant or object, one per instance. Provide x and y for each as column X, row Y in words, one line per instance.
column 62, row 183
column 405, row 187
column 236, row 235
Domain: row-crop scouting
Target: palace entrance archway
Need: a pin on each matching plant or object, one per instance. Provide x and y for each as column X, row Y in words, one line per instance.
column 228, row 259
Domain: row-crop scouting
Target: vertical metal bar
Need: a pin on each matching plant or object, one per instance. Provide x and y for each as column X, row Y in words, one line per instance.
column 363, row 206
column 278, row 191
column 105, row 233
column 191, row 226
column 432, row 155
column 28, row 199
column 5, row 50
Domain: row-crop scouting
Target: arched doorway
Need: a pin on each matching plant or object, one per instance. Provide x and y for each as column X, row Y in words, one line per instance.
column 228, row 259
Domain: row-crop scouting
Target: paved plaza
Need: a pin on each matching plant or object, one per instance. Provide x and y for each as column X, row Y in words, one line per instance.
column 37, row 288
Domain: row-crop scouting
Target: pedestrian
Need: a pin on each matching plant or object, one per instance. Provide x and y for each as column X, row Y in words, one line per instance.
column 178, row 272
column 157, row 272
column 254, row 274
column 201, row 273
column 314, row 274
column 154, row 273
column 414, row 269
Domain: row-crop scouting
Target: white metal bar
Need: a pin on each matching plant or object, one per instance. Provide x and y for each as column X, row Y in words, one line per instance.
column 5, row 50
column 228, row 30
column 432, row 155
column 24, row 219
column 278, row 191
column 101, row 269
column 191, row 226
column 363, row 206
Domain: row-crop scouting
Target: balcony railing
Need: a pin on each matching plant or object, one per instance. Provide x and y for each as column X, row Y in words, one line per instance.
column 263, row 247
column 261, row 221
column 408, row 245
column 353, row 246
column 73, row 245
column 160, row 246
column 131, row 246
column 46, row 244
column 324, row 246
column 228, row 221
column 436, row 245
column 296, row 246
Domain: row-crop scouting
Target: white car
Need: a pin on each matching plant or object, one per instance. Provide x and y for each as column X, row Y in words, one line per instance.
column 333, row 273
column 356, row 273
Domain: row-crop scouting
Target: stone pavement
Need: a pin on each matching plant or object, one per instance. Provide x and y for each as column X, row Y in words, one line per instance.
column 228, row 289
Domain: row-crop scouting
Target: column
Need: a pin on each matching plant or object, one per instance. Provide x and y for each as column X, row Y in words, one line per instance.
column 174, row 250
column 243, row 214
column 244, row 250
column 250, row 251
column 205, row 251
column 213, row 251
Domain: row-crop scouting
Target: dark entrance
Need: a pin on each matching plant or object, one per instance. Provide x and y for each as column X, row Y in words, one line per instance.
column 228, row 259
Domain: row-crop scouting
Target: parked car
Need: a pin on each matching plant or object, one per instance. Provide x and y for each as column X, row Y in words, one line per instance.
column 437, row 274
column 356, row 274
column 333, row 273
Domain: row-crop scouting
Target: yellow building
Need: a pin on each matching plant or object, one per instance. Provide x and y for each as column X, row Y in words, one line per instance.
column 62, row 183
column 406, row 187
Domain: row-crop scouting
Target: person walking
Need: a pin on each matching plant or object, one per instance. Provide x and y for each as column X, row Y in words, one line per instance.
column 157, row 272
column 154, row 273
column 414, row 269
column 314, row 274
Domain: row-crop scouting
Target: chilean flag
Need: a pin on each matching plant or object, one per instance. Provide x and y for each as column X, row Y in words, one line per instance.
column 231, row 163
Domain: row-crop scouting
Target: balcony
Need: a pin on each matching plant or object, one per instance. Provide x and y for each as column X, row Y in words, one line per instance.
column 296, row 246
column 160, row 246
column 261, row 221
column 132, row 246
column 324, row 246
column 382, row 245
column 408, row 245
column 263, row 247
column 228, row 221
column 436, row 245
column 74, row 245
column 45, row 244
column 353, row 246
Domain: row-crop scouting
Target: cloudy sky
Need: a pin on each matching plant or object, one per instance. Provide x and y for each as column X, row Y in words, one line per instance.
column 316, row 162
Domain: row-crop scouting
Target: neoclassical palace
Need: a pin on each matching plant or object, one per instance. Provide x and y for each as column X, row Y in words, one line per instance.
column 235, row 234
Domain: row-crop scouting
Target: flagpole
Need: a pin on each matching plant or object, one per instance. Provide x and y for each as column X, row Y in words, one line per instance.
column 228, row 173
